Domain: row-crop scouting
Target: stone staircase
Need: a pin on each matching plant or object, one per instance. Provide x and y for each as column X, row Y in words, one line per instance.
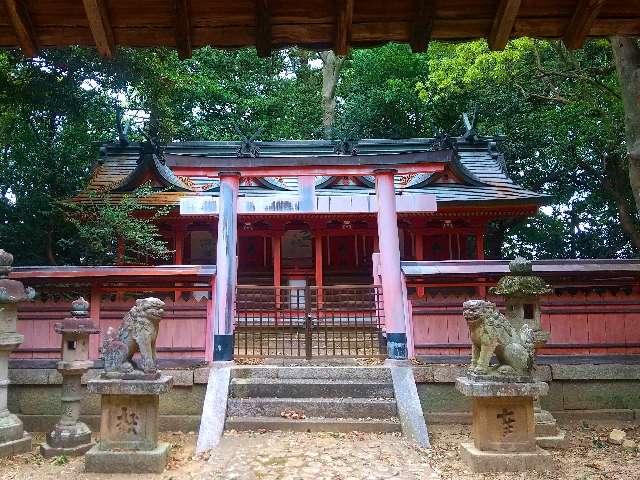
column 332, row 399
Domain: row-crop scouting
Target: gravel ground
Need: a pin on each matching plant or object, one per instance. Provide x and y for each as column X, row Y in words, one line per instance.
column 353, row 456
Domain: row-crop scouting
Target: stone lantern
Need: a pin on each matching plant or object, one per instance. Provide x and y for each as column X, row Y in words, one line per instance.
column 13, row 438
column 522, row 292
column 71, row 437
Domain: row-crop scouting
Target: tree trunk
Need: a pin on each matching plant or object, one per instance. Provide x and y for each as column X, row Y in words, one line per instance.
column 627, row 55
column 331, row 66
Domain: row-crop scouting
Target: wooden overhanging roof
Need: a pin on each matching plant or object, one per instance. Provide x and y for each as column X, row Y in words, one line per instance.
column 116, row 273
column 463, row 173
column 317, row 24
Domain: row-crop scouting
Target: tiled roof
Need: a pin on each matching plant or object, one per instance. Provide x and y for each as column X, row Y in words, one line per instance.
column 476, row 176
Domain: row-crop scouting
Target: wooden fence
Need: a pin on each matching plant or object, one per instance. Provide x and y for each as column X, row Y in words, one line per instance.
column 183, row 333
column 583, row 322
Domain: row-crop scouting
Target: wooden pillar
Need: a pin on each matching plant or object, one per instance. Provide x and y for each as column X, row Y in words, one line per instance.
column 94, row 314
column 226, row 266
column 318, row 265
column 480, row 245
column 208, row 342
column 276, row 252
column 418, row 251
column 178, row 235
column 178, row 245
column 389, row 242
column 482, row 290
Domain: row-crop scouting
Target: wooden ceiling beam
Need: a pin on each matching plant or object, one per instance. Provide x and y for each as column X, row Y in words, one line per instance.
column 263, row 28
column 424, row 12
column 580, row 25
column 344, row 22
column 183, row 29
column 503, row 23
column 100, row 26
column 22, row 26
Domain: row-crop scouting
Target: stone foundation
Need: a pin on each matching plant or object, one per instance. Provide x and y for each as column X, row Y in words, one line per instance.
column 481, row 461
column 581, row 391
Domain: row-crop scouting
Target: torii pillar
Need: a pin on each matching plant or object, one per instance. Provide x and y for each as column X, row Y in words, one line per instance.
column 389, row 246
column 227, row 267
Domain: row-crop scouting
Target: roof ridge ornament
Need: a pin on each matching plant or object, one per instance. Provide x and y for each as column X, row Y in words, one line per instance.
column 471, row 134
column 151, row 147
column 443, row 141
column 248, row 145
column 344, row 146
column 121, row 127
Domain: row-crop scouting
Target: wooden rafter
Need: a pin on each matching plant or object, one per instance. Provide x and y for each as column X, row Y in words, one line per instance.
column 263, row 28
column 422, row 25
column 183, row 28
column 344, row 21
column 100, row 25
column 580, row 25
column 22, row 26
column 503, row 23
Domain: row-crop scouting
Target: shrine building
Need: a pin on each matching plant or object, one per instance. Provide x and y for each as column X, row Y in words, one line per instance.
column 307, row 215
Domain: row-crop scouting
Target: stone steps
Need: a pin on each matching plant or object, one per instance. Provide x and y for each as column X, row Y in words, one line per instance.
column 306, row 387
column 333, row 372
column 315, row 407
column 332, row 398
column 314, row 424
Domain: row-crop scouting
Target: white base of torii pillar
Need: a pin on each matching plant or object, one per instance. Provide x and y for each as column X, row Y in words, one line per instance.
column 227, row 267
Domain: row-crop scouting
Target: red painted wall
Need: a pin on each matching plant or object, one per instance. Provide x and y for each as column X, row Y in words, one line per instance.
column 182, row 334
column 582, row 323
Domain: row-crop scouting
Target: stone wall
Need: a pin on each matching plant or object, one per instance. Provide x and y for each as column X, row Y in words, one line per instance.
column 607, row 391
column 604, row 391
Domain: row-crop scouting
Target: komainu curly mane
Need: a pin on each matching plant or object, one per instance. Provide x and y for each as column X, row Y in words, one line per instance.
column 137, row 333
column 491, row 333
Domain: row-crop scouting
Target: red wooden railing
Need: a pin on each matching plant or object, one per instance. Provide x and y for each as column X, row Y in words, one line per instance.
column 186, row 290
column 593, row 310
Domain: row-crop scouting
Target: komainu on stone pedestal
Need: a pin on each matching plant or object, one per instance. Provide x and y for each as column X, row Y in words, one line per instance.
column 137, row 334
column 491, row 333
column 130, row 393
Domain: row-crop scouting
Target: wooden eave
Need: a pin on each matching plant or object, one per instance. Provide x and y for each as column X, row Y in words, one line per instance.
column 431, row 161
column 272, row 24
column 497, row 268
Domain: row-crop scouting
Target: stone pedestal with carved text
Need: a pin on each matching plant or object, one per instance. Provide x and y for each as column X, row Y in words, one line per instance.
column 503, row 426
column 129, row 426
column 13, row 438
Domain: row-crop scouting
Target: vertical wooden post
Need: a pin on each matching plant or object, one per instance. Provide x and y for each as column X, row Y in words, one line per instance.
column 94, row 314
column 318, row 265
column 227, row 266
column 209, row 334
column 419, row 255
column 480, row 244
column 390, row 265
column 276, row 252
column 482, row 290
column 178, row 245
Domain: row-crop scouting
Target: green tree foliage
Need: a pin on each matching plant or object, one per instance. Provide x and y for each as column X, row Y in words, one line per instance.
column 562, row 118
column 560, row 113
column 103, row 221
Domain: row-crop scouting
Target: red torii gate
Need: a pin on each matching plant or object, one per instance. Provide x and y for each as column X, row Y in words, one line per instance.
column 382, row 167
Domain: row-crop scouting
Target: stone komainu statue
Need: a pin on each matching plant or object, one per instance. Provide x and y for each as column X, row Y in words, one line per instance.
column 137, row 333
column 491, row 333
